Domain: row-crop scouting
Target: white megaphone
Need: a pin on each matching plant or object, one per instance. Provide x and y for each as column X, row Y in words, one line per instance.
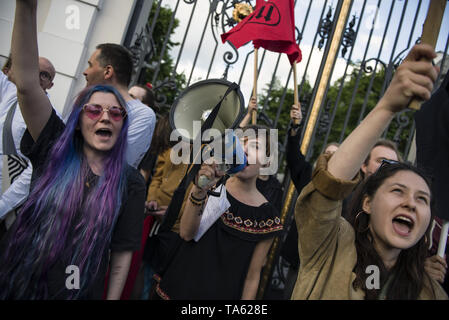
column 196, row 103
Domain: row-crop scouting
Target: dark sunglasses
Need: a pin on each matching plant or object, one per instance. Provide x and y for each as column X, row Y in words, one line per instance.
column 44, row 75
column 95, row 111
column 386, row 163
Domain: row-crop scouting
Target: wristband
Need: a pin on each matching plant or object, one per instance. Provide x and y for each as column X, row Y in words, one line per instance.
column 196, row 201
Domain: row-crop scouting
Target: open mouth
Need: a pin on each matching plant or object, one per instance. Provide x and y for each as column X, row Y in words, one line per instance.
column 105, row 133
column 403, row 225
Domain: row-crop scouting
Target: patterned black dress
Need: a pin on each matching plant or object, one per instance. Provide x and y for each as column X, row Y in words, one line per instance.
column 216, row 266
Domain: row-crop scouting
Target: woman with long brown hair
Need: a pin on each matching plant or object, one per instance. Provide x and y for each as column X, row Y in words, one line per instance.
column 381, row 254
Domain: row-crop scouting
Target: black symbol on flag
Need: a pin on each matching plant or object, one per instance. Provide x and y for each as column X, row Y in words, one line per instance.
column 268, row 15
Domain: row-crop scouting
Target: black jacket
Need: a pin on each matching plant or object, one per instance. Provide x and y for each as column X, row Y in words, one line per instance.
column 432, row 144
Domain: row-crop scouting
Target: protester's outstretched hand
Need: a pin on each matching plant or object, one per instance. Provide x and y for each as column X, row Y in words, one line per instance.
column 211, row 172
column 295, row 113
column 252, row 106
column 413, row 79
column 436, row 267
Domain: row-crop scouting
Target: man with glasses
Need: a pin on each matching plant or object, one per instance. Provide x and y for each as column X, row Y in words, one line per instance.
column 15, row 170
column 382, row 150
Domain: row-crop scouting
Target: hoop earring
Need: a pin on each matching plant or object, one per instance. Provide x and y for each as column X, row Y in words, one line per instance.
column 355, row 222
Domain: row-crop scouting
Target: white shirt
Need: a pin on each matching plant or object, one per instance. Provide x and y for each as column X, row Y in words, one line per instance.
column 18, row 191
column 142, row 121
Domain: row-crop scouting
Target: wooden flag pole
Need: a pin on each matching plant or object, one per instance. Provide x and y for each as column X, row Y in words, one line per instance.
column 254, row 112
column 295, row 89
column 443, row 239
column 431, row 29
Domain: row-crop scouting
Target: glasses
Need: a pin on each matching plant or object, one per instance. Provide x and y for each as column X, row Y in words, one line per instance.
column 95, row 111
column 385, row 163
column 44, row 75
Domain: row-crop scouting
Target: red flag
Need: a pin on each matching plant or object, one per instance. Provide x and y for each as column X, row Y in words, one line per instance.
column 270, row 26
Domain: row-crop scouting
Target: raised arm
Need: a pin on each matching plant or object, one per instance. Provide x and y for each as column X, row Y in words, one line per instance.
column 413, row 78
column 296, row 117
column 196, row 201
column 300, row 169
column 34, row 104
column 248, row 116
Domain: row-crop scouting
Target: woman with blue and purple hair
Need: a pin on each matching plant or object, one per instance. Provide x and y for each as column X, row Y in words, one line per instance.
column 85, row 209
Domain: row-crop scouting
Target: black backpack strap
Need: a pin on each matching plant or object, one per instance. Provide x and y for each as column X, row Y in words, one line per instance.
column 9, row 147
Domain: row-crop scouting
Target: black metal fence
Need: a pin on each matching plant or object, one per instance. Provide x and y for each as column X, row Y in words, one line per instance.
column 377, row 37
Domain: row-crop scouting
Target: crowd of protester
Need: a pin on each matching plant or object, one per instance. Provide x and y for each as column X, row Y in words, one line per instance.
column 92, row 194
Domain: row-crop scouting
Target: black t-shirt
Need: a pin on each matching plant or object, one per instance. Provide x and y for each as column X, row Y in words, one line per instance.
column 127, row 233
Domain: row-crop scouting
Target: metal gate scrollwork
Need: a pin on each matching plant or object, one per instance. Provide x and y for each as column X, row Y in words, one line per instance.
column 366, row 59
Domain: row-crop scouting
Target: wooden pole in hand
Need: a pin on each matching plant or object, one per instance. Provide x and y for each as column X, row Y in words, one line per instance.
column 431, row 29
column 295, row 90
column 254, row 112
column 443, row 239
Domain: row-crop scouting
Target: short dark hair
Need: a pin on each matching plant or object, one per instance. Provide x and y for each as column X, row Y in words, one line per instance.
column 384, row 143
column 148, row 98
column 119, row 58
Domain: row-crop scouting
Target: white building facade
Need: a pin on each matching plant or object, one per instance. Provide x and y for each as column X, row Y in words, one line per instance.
column 69, row 31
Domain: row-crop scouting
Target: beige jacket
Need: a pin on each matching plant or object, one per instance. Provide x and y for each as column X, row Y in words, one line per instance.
column 327, row 249
column 166, row 179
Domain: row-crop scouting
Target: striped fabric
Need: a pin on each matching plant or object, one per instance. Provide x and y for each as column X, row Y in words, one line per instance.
column 16, row 165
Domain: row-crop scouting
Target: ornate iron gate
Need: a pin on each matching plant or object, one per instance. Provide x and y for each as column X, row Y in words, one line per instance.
column 377, row 36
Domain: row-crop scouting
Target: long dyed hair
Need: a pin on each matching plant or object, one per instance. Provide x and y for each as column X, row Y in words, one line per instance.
column 60, row 221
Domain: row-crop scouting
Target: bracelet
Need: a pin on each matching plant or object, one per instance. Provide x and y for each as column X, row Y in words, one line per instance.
column 195, row 201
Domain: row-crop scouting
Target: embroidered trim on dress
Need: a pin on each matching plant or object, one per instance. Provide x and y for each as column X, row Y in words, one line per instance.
column 250, row 226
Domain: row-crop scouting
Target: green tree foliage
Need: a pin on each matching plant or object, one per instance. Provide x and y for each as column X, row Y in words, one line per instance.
column 359, row 89
column 280, row 97
column 166, row 93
